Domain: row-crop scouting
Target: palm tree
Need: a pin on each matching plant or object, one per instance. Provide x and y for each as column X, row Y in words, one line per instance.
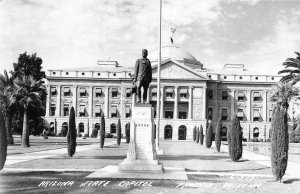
column 292, row 68
column 7, row 103
column 29, row 93
column 283, row 93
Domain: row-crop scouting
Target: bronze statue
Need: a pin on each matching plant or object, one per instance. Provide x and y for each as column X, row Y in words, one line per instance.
column 143, row 75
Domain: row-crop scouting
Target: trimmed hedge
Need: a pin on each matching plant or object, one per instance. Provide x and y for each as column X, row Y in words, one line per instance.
column 194, row 133
column 127, row 133
column 201, row 135
column 94, row 133
column 64, row 132
column 197, row 135
column 209, row 136
column 119, row 132
column 235, row 139
column 72, row 133
column 102, row 131
column 3, row 141
column 218, row 137
column 280, row 142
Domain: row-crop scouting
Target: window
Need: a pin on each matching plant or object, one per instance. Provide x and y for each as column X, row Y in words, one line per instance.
column 169, row 92
column 183, row 109
column 67, row 92
column 240, row 114
column 53, row 91
column 114, row 93
column 98, row 111
column 128, row 92
column 98, row 92
column 113, row 111
column 183, row 92
column 224, row 114
column 113, row 128
column 154, row 92
column 210, row 113
column 52, row 110
column 270, row 115
column 127, row 111
column 82, row 110
column 169, row 112
column 256, row 115
column 240, row 96
column 224, row 95
column 210, row 94
column 82, row 92
column 256, row 96
column 66, row 109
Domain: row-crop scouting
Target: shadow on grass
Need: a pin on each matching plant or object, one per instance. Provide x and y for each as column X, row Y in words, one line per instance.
column 90, row 157
column 235, row 170
column 192, row 157
column 245, row 160
column 289, row 181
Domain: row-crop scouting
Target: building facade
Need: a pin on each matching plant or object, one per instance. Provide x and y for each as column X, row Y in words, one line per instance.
column 191, row 95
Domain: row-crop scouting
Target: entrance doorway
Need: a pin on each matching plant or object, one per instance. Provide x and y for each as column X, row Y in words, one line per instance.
column 182, row 132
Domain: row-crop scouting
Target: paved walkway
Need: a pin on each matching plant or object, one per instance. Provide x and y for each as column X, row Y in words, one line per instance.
column 293, row 168
column 17, row 158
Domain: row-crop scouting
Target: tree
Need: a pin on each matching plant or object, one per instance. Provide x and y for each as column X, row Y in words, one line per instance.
column 218, row 137
column 72, row 133
column 292, row 70
column 3, row 141
column 127, row 132
column 209, row 136
column 194, row 133
column 102, row 130
column 119, row 132
column 29, row 94
column 279, row 127
column 201, row 136
column 7, row 103
column 197, row 135
column 235, row 139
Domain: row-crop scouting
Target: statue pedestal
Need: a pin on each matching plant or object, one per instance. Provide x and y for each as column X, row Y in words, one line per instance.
column 141, row 155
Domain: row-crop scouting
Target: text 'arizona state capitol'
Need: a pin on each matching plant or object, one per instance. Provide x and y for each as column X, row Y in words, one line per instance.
column 190, row 93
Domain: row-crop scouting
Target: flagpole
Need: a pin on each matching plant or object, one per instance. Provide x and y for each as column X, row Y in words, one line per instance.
column 158, row 80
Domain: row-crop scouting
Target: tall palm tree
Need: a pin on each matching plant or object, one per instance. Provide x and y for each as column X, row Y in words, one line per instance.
column 7, row 103
column 292, row 68
column 29, row 93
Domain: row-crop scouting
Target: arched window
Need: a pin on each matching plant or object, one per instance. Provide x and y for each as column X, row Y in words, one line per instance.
column 113, row 128
column 81, row 128
column 168, row 132
column 255, row 132
column 182, row 132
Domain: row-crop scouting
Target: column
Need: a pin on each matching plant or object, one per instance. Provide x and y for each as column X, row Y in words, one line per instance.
column 58, row 101
column 162, row 89
column 106, row 102
column 232, row 103
column 48, row 105
column 190, row 102
column 204, row 102
column 91, row 94
column 175, row 116
column 75, row 99
column 264, row 109
column 249, row 105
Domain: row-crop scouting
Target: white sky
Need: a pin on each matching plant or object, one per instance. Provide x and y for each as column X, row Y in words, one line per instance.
column 77, row 33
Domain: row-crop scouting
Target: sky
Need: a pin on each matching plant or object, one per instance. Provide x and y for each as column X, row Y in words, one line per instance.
column 78, row 33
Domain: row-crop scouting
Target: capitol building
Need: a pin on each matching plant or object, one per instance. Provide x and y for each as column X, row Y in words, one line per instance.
column 191, row 95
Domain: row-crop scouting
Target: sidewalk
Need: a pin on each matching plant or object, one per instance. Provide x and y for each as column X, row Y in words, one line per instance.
column 293, row 168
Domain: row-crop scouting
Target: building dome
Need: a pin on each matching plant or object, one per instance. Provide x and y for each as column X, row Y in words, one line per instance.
column 174, row 52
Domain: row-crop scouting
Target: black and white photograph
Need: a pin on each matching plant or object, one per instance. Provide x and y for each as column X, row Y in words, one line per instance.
column 150, row 96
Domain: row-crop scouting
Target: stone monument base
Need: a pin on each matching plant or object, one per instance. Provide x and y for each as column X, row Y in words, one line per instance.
column 141, row 166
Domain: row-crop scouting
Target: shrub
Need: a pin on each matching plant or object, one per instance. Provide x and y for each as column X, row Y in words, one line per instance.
column 59, row 135
column 79, row 135
column 194, row 133
column 201, row 136
column 3, row 141
column 218, row 137
column 279, row 145
column 94, row 133
column 64, row 132
column 102, row 131
column 119, row 132
column 235, row 139
column 71, row 136
column 197, row 135
column 127, row 133
column 209, row 135
column 108, row 135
